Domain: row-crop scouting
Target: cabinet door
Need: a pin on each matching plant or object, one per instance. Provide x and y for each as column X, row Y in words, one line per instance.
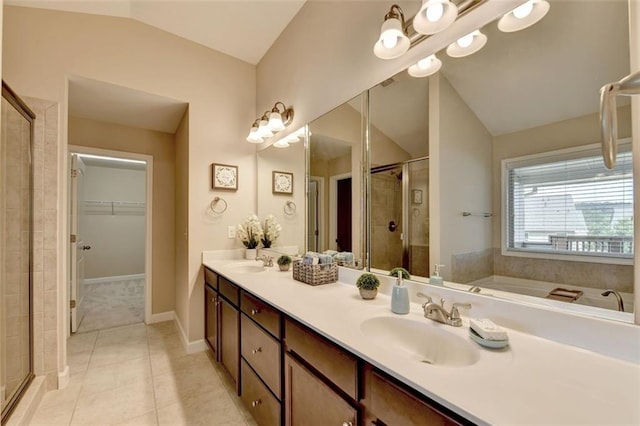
column 211, row 319
column 229, row 330
column 309, row 401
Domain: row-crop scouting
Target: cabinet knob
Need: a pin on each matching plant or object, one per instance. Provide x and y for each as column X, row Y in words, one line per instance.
column 347, row 424
column 255, row 311
column 214, row 299
column 255, row 403
column 255, row 351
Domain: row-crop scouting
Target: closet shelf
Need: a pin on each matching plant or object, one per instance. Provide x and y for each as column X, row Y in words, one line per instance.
column 108, row 207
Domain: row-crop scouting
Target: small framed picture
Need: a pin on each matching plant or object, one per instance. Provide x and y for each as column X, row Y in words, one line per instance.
column 224, row 176
column 282, row 182
column 416, row 196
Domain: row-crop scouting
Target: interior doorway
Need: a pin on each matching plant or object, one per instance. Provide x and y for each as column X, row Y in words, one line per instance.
column 340, row 212
column 110, row 238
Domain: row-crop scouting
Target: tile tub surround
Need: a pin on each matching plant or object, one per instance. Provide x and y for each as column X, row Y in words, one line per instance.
column 533, row 373
column 140, row 375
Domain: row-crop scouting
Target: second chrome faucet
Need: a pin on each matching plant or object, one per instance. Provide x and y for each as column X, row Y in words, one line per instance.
column 438, row 313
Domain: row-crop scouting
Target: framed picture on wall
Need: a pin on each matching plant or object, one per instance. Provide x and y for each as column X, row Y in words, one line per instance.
column 416, row 196
column 282, row 182
column 224, row 176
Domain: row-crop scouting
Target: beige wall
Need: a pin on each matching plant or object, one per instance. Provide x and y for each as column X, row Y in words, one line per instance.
column 128, row 53
column 181, row 293
column 116, row 234
column 98, row 134
column 464, row 156
column 292, row 160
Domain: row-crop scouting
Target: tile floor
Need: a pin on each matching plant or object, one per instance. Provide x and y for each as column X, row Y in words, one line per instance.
column 140, row 375
column 112, row 304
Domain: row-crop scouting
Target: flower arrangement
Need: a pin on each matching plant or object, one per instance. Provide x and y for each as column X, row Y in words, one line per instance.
column 271, row 231
column 250, row 231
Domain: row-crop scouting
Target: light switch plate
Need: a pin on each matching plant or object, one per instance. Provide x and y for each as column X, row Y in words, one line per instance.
column 231, row 232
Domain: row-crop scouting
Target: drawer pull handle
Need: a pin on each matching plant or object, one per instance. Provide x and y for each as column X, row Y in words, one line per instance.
column 255, row 403
column 255, row 311
column 255, row 351
column 347, row 424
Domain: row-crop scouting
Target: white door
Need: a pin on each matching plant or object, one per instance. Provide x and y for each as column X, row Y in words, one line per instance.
column 78, row 245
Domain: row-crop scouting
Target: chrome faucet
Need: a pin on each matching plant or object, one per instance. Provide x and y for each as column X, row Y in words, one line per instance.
column 474, row 289
column 617, row 295
column 266, row 260
column 438, row 313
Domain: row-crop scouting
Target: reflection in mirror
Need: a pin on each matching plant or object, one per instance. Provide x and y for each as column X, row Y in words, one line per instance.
column 335, row 194
column 561, row 231
column 399, row 148
column 286, row 203
column 511, row 127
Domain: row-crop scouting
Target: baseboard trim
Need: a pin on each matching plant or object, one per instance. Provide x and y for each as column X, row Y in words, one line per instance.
column 63, row 378
column 162, row 316
column 189, row 347
column 100, row 280
column 29, row 402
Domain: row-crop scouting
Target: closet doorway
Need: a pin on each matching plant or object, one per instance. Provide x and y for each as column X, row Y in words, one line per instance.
column 110, row 238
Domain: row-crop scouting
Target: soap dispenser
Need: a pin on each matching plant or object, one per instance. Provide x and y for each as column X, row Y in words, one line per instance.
column 436, row 278
column 400, row 297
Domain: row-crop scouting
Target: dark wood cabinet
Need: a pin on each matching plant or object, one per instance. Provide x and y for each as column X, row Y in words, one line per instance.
column 229, row 338
column 310, row 401
column 260, row 402
column 211, row 319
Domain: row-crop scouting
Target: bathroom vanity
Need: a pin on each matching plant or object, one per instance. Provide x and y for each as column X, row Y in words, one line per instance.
column 321, row 355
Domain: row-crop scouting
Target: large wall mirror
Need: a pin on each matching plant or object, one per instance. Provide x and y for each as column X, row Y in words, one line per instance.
column 286, row 163
column 492, row 166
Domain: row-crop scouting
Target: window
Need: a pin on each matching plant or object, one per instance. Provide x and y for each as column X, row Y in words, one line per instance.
column 567, row 203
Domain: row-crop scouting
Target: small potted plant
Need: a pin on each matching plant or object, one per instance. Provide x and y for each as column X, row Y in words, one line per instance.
column 368, row 285
column 405, row 273
column 284, row 262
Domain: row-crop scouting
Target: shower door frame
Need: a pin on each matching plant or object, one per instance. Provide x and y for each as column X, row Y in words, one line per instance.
column 25, row 111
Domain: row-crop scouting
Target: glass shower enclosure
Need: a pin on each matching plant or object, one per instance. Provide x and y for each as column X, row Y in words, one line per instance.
column 16, row 226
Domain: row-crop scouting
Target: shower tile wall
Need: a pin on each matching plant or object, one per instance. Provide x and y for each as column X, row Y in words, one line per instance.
column 386, row 205
column 45, row 254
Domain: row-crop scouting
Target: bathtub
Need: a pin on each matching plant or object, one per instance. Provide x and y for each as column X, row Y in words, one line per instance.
column 531, row 291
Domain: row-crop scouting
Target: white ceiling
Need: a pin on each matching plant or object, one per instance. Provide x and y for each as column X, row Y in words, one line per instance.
column 244, row 29
column 116, row 104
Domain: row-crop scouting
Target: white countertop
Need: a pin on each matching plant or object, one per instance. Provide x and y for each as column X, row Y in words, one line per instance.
column 533, row 381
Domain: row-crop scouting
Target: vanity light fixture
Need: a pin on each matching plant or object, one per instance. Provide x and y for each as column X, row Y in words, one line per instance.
column 282, row 143
column 270, row 123
column 467, row 45
column 254, row 135
column 523, row 16
column 434, row 16
column 393, row 41
column 425, row 67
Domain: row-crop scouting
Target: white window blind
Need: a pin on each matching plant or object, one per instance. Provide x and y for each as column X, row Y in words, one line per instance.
column 569, row 203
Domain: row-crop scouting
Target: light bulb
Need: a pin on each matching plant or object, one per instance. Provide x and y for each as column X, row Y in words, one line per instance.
column 466, row 40
column 435, row 12
column 523, row 10
column 425, row 63
column 389, row 40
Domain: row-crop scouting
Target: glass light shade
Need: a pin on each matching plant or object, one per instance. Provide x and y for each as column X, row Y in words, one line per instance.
column 275, row 122
column 393, row 42
column 434, row 16
column 292, row 138
column 282, row 143
column 518, row 19
column 425, row 67
column 263, row 129
column 254, row 136
column 467, row 45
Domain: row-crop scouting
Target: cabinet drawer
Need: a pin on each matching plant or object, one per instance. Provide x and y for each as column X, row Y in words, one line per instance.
column 334, row 363
column 262, row 352
column 211, row 278
column 392, row 405
column 309, row 401
column 262, row 405
column 261, row 313
column 228, row 290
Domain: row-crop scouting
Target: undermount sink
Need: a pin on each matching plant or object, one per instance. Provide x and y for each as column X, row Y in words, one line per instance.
column 420, row 341
column 249, row 268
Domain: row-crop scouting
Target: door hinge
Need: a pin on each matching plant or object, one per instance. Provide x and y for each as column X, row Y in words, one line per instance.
column 72, row 304
column 74, row 173
column 72, row 238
